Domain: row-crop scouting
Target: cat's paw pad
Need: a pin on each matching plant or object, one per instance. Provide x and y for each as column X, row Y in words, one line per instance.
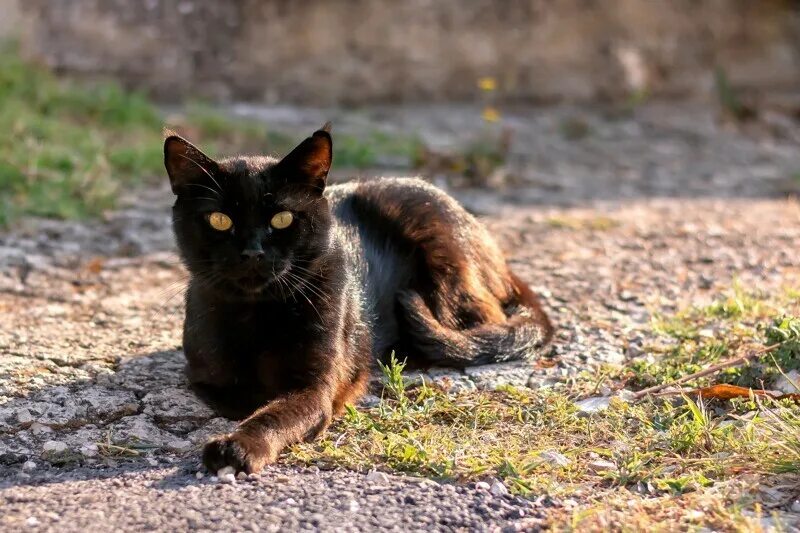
column 236, row 452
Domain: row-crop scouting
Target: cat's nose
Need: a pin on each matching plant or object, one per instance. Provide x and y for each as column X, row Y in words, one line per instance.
column 252, row 255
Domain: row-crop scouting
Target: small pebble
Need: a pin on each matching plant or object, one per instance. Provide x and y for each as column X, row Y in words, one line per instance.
column 24, row 416
column 601, row 465
column 32, row 521
column 226, row 470
column 179, row 445
column 241, row 476
column 89, row 450
column 253, row 477
column 375, row 476
column 498, row 489
column 37, row 429
column 626, row 395
column 593, row 405
column 54, row 446
column 28, row 466
column 369, row 400
column 482, row 485
column 428, row 483
column 227, row 479
column 554, row 458
column 199, row 475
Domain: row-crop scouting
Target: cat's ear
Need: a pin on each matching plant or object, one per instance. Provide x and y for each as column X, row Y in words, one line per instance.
column 186, row 163
column 310, row 161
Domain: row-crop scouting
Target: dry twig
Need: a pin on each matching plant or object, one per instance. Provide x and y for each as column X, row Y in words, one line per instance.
column 735, row 361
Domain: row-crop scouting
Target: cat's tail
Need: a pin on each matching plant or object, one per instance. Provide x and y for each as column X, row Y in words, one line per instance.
column 522, row 336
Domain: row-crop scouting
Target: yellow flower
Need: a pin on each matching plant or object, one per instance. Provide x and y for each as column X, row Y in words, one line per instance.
column 487, row 84
column 490, row 114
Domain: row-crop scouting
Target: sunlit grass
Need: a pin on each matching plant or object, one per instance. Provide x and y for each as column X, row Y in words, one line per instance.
column 674, row 445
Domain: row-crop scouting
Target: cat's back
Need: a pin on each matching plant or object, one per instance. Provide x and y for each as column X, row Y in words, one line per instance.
column 390, row 201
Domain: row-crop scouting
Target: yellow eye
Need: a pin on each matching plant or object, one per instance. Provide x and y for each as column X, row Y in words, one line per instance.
column 282, row 220
column 220, row 221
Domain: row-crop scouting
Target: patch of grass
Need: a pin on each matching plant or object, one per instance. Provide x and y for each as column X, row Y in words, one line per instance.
column 661, row 455
column 681, row 326
column 671, row 448
column 595, row 223
column 68, row 149
column 575, row 128
column 782, row 431
column 376, row 149
column 739, row 303
column 704, row 335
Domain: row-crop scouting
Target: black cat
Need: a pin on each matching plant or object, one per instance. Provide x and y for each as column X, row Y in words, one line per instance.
column 296, row 289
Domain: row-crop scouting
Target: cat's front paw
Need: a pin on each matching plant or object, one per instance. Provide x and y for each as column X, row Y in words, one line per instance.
column 241, row 452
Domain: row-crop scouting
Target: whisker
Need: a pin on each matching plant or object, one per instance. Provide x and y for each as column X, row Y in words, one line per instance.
column 310, row 286
column 204, row 198
column 205, row 187
column 203, row 169
column 303, row 294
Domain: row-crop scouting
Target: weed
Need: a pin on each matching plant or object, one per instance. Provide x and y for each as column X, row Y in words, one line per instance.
column 729, row 98
column 597, row 223
column 575, row 128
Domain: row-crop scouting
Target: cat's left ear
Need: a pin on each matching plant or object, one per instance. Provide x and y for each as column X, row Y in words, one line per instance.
column 310, row 161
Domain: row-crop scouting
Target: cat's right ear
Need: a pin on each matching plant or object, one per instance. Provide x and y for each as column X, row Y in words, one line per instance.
column 186, row 163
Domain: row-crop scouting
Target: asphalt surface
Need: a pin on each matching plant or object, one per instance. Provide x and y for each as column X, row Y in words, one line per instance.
column 159, row 498
column 90, row 324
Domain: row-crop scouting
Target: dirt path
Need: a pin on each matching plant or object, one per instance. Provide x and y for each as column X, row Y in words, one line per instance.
column 90, row 344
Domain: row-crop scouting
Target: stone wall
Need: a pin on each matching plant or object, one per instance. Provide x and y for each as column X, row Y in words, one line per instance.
column 356, row 51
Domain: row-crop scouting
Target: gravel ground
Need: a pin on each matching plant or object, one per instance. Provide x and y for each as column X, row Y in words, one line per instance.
column 91, row 318
column 172, row 499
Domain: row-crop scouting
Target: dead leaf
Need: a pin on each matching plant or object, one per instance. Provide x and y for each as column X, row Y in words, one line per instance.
column 95, row 265
column 546, row 363
column 723, row 391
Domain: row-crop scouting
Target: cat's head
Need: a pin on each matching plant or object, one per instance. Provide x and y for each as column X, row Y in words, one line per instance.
column 249, row 227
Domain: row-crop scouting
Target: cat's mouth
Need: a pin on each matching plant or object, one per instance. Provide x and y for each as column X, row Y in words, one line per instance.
column 255, row 281
column 252, row 282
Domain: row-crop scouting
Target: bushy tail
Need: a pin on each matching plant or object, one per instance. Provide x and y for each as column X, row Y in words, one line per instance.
column 522, row 336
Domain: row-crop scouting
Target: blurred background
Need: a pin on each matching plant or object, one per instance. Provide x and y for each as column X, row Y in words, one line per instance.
column 548, row 102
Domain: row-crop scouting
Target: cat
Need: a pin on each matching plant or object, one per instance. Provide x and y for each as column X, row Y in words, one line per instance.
column 297, row 288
